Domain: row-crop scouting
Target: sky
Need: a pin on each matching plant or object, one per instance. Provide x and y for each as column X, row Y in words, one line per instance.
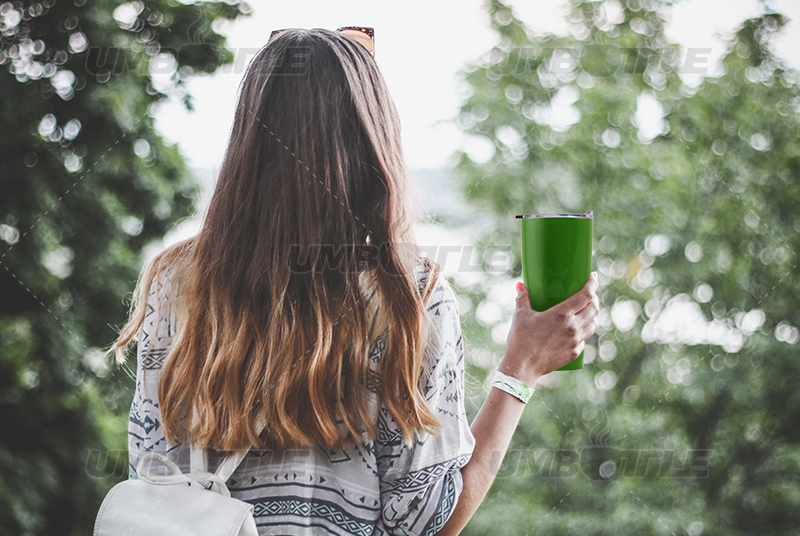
column 419, row 50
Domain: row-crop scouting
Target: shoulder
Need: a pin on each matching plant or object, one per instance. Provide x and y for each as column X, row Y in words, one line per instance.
column 160, row 322
column 162, row 273
column 158, row 289
column 443, row 301
column 444, row 322
column 443, row 365
column 423, row 271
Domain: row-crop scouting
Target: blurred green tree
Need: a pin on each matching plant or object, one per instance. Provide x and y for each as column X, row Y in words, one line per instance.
column 86, row 183
column 696, row 236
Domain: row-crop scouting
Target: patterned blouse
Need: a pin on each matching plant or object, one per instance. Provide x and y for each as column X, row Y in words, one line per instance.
column 375, row 488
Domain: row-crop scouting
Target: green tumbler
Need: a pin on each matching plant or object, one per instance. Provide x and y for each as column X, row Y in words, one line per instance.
column 556, row 260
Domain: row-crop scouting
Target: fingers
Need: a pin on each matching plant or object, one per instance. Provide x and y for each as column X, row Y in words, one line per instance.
column 523, row 300
column 588, row 312
column 587, row 330
column 580, row 299
column 575, row 303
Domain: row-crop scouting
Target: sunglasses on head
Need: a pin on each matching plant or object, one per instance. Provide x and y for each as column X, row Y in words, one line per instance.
column 364, row 35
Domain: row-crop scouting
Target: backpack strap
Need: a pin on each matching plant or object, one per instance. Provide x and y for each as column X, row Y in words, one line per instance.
column 205, row 480
column 232, row 461
column 198, row 460
column 198, row 457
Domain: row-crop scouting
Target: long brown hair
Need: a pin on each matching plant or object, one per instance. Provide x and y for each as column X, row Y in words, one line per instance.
column 269, row 327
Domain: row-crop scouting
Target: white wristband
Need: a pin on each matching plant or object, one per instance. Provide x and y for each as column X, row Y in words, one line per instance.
column 512, row 386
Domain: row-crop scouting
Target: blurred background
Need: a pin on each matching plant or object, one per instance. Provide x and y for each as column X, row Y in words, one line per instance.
column 677, row 123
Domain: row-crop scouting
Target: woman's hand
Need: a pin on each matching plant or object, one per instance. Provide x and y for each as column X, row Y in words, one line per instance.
column 541, row 342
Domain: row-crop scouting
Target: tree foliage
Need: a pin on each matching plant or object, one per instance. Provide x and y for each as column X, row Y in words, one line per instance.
column 86, row 183
column 696, row 239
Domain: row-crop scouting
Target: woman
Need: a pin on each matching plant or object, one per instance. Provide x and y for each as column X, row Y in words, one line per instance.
column 303, row 304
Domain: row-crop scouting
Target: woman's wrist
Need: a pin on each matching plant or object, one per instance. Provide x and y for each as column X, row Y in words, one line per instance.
column 520, row 369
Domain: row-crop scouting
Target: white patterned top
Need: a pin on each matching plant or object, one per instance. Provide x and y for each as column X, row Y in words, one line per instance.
column 377, row 487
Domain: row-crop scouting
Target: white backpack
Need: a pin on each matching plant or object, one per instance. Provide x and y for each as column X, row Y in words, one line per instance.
column 197, row 504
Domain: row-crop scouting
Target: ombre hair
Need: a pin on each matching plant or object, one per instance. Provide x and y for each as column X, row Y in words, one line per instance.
column 314, row 159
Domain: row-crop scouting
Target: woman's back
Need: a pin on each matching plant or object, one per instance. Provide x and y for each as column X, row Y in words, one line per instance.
column 370, row 487
column 269, row 336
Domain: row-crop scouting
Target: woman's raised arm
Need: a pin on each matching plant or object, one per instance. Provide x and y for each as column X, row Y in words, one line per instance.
column 538, row 343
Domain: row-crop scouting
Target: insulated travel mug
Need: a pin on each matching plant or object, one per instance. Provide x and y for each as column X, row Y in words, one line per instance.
column 556, row 260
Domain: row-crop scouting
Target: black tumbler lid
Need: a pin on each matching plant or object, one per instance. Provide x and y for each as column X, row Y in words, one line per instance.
column 589, row 214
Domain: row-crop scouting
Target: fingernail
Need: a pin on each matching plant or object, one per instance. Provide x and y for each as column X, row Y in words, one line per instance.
column 519, row 286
